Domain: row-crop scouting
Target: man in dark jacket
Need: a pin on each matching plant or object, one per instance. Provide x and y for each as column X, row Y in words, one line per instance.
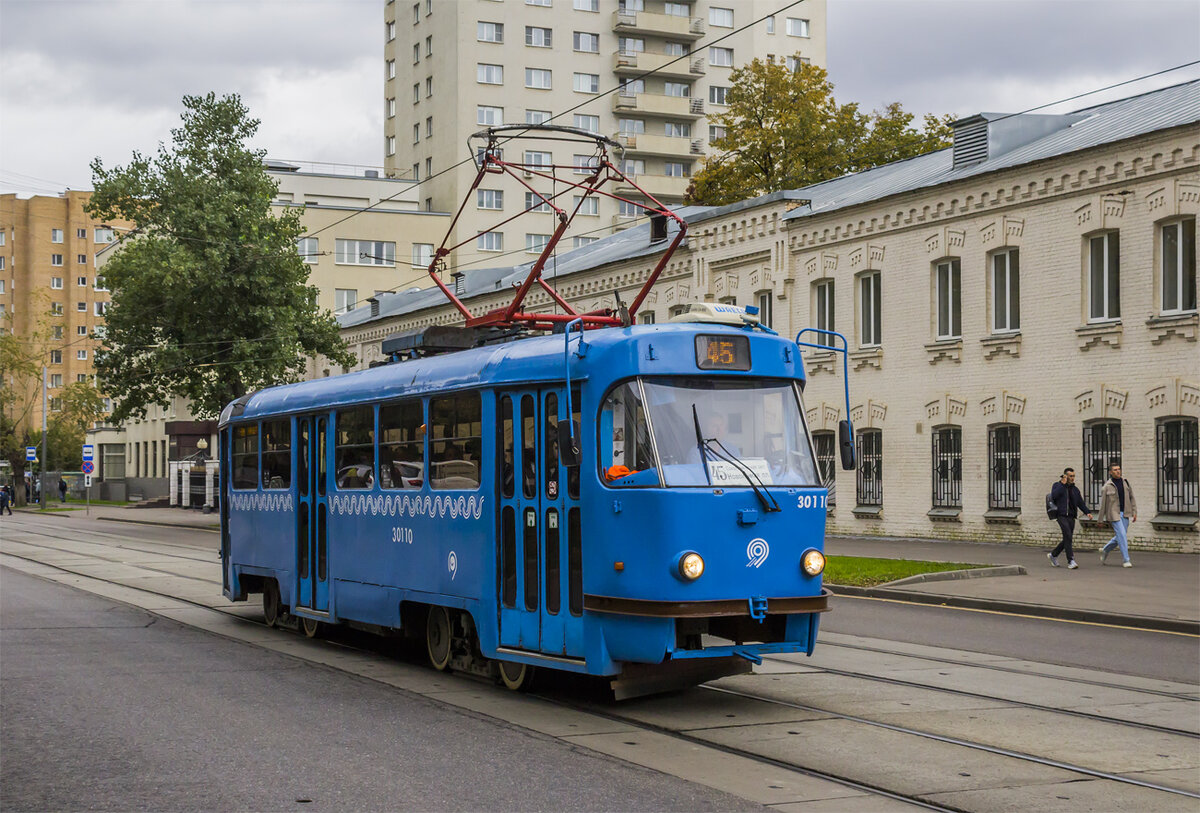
column 1068, row 500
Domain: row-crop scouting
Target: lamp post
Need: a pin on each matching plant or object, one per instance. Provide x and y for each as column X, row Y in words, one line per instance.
column 202, row 458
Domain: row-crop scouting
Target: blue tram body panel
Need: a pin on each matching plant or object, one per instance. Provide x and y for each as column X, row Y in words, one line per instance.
column 578, row 565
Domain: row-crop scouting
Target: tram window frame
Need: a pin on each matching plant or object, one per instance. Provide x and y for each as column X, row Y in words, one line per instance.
column 550, row 444
column 241, row 480
column 276, row 441
column 356, row 453
column 507, row 446
column 409, row 424
column 529, row 434
column 448, row 443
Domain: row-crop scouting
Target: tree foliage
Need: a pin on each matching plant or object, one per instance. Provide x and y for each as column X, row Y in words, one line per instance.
column 210, row 299
column 783, row 129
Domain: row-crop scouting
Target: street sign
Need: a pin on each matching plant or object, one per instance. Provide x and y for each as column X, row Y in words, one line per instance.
column 88, row 467
column 31, row 453
column 87, row 481
column 87, row 451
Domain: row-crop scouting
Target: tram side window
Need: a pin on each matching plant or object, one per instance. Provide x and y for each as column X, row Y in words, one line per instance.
column 456, row 441
column 355, row 452
column 277, row 454
column 625, row 447
column 245, row 456
column 402, row 445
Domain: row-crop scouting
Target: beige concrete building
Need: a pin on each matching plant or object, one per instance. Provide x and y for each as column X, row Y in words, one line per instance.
column 1019, row 303
column 51, row 293
column 454, row 68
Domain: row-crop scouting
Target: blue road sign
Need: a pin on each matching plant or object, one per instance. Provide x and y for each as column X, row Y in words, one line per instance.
column 87, row 451
column 31, row 453
column 88, row 467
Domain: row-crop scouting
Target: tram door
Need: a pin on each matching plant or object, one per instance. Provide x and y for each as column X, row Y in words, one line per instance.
column 539, row 560
column 312, row 557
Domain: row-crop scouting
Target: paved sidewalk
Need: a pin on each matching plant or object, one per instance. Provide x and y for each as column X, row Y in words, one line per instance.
column 1161, row 590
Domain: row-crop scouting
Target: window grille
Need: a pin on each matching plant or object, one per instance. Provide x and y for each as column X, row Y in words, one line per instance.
column 947, row 467
column 869, row 482
column 1101, row 448
column 1177, row 456
column 1004, row 467
column 826, row 447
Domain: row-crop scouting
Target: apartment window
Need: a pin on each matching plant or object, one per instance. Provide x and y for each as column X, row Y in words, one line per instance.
column 676, row 48
column 715, row 132
column 536, row 243
column 56, row 235
column 646, row 317
column 416, row 92
column 823, row 307
column 344, row 299
column 365, row 252
column 771, row 24
column 3, row 237
column 56, row 283
column 56, row 357
column 416, row 172
column 391, row 144
column 1004, row 466
column 545, row 3
column 1101, row 449
column 416, row 13
column 81, row 355
column 429, row 127
column 402, row 445
column 717, row 94
column 631, row 45
column 585, row 164
column 1006, row 291
column 721, row 57
column 1178, row 457
column 416, row 53
column 422, row 255
column 81, row 282
column 391, row 105
column 81, row 307
column 587, row 206
column 631, row 126
column 949, row 300
column 491, row 241
column 2, row 259
column 537, row 116
column 1104, row 277
column 580, row 242
column 633, row 166
column 537, row 37
column 56, row 309
column 794, row 62
column 679, row 89
column 489, row 199
column 868, row 482
column 80, row 330
column 537, row 78
column 797, row 27
column 677, row 9
column 587, row 5
column 678, row 129
column 103, row 235
column 416, row 133
column 429, row 204
column 99, row 308
column 2, row 285
column 428, row 7
column 766, row 308
column 81, row 259
column 587, row 83
column 428, row 173
column 537, row 160
column 720, row 17
column 98, row 284
column 589, row 123
column 825, row 447
column 391, row 30
column 391, row 69
column 628, row 209
column 631, row 87
column 675, row 169
column 81, row 234
column 587, row 43
column 947, row 467
column 429, row 46
column 489, row 74
column 56, row 259
column 870, row 311
column 80, row 378
column 1179, row 266
column 56, row 380
column 489, row 115
column 631, row 5
column 489, row 32
column 428, row 86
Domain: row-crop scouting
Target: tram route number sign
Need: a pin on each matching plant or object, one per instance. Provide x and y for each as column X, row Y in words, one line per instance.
column 88, row 467
column 89, row 451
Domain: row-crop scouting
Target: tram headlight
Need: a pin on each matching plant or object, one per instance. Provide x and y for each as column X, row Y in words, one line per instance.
column 813, row 562
column 691, row 566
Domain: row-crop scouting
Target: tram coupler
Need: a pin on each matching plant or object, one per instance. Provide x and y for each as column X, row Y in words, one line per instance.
column 758, row 608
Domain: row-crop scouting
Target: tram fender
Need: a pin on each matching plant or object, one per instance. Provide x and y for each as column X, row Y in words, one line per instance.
column 637, row 638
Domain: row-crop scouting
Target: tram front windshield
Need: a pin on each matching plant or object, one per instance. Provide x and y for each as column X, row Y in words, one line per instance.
column 701, row 431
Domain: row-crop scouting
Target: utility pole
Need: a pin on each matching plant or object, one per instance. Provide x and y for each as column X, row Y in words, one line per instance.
column 45, row 433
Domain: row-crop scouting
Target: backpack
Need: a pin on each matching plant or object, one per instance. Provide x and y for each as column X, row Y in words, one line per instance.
column 1051, row 507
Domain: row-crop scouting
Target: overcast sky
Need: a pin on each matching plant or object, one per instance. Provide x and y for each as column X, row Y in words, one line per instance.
column 87, row 78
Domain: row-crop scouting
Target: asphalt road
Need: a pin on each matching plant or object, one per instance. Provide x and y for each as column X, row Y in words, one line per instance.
column 103, row 706
column 1144, row 653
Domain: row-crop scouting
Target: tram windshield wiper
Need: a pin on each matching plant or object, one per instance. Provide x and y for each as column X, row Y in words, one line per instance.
column 700, row 444
column 761, row 491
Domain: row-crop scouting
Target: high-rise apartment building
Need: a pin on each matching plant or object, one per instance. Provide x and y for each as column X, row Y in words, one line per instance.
column 51, row 294
column 454, row 68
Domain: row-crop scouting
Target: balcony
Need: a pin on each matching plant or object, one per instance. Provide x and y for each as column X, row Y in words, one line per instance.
column 658, row 25
column 667, row 188
column 658, row 104
column 634, row 63
column 660, row 145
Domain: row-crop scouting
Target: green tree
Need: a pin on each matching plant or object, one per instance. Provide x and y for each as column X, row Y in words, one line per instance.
column 210, row 299
column 784, row 130
column 79, row 406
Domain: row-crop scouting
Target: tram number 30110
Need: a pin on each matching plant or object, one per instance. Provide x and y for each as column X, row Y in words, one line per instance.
column 400, row 534
column 812, row 501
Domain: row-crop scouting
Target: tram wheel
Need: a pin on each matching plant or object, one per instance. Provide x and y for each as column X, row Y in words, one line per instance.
column 437, row 637
column 312, row 627
column 515, row 676
column 271, row 603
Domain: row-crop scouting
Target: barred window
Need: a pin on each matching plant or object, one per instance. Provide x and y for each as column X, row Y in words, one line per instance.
column 1101, row 449
column 354, row 454
column 947, row 467
column 402, row 445
column 1177, row 456
column 456, row 441
column 1004, row 466
column 245, row 456
column 277, row 454
column 869, row 483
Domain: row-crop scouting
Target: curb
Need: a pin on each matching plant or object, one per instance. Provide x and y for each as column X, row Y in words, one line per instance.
column 209, row 528
column 1037, row 610
column 958, row 575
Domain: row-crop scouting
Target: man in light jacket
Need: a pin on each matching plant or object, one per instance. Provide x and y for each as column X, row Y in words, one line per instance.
column 1118, row 507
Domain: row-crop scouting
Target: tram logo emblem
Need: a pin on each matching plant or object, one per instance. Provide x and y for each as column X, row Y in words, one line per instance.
column 452, row 564
column 757, row 552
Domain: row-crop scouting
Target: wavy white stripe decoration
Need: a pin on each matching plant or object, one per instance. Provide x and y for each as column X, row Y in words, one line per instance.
column 262, row 502
column 404, row 505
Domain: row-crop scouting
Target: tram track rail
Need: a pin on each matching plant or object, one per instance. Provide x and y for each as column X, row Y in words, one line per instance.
column 689, row 735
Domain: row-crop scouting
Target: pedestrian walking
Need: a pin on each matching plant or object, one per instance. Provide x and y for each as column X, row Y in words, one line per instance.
column 5, row 501
column 62, row 490
column 1117, row 507
column 1068, row 500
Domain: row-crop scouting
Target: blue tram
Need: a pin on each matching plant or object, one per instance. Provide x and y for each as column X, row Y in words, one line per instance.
column 639, row 502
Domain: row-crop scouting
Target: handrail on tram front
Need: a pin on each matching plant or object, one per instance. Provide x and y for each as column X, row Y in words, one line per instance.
column 845, row 351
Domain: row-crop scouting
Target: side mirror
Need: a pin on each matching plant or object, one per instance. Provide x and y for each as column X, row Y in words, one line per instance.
column 846, row 444
column 568, row 447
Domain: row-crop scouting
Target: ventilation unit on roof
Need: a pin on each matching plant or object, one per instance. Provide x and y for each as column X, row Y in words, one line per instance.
column 970, row 141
